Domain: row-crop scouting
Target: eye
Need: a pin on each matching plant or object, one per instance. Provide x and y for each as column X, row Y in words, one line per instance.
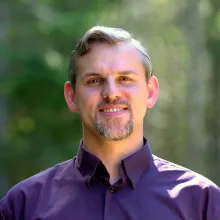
column 94, row 81
column 125, row 78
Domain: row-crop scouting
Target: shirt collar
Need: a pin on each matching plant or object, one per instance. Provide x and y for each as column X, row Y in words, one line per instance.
column 87, row 163
column 134, row 164
column 138, row 162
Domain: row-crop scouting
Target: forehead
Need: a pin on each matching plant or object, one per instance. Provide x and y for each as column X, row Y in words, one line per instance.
column 106, row 58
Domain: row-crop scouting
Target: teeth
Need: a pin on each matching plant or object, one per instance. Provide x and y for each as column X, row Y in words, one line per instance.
column 113, row 110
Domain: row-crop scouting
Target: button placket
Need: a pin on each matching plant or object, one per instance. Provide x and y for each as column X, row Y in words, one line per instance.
column 112, row 189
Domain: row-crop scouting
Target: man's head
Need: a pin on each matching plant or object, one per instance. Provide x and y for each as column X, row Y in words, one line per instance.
column 111, row 83
column 112, row 36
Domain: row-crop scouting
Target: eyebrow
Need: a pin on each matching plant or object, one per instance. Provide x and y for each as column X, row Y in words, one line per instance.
column 127, row 72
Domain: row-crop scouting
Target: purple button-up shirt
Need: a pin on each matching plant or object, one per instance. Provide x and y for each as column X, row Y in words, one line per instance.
column 150, row 188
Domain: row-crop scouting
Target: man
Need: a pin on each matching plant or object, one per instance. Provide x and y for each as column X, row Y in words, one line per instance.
column 114, row 175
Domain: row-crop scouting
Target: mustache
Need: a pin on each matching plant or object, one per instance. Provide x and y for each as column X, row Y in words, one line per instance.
column 114, row 102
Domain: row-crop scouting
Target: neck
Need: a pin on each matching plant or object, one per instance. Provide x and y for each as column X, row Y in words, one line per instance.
column 112, row 152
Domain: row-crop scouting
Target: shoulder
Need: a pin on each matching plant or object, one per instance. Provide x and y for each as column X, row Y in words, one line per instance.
column 31, row 188
column 193, row 188
column 182, row 174
column 44, row 177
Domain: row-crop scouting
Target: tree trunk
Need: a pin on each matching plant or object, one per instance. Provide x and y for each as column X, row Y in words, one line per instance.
column 196, row 77
column 213, row 45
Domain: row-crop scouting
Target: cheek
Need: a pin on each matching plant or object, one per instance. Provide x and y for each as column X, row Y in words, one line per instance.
column 87, row 103
column 84, row 97
column 139, row 106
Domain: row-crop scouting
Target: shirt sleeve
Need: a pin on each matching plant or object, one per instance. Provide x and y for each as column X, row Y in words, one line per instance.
column 12, row 205
column 5, row 212
column 213, row 204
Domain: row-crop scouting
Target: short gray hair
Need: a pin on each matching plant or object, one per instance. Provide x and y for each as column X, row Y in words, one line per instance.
column 105, row 35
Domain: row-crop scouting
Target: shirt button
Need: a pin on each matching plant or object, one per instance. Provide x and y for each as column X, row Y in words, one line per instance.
column 112, row 189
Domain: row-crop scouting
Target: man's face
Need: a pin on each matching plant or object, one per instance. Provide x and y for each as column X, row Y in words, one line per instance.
column 111, row 92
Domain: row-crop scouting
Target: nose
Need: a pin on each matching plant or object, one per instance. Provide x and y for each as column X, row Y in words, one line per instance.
column 111, row 90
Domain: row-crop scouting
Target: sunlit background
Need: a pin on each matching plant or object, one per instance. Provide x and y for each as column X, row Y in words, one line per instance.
column 36, row 37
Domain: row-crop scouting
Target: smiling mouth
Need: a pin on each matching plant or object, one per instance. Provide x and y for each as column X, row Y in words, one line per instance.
column 113, row 109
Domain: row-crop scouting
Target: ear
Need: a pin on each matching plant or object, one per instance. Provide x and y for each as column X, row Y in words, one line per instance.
column 153, row 89
column 70, row 97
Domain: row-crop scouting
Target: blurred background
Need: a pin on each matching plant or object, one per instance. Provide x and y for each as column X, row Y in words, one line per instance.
column 36, row 37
